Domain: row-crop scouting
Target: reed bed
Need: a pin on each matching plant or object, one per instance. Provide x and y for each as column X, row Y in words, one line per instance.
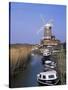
column 61, row 62
column 19, row 57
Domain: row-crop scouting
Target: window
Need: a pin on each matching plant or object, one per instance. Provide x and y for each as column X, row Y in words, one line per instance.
column 51, row 76
column 44, row 76
column 40, row 76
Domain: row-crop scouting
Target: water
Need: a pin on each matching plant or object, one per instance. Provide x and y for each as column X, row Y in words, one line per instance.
column 28, row 77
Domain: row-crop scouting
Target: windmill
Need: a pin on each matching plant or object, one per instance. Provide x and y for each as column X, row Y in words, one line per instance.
column 47, row 28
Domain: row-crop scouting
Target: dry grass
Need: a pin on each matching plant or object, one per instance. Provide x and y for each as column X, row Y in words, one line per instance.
column 61, row 62
column 62, row 66
column 19, row 56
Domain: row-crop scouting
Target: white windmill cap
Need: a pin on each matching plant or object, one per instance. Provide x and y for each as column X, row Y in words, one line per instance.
column 48, row 25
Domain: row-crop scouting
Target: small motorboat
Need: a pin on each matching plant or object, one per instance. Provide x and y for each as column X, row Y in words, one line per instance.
column 44, row 59
column 46, row 53
column 48, row 78
column 49, row 64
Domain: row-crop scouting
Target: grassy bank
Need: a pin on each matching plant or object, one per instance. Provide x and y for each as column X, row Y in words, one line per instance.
column 60, row 58
column 19, row 57
column 62, row 65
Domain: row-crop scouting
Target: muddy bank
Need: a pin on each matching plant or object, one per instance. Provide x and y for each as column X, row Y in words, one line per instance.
column 19, row 57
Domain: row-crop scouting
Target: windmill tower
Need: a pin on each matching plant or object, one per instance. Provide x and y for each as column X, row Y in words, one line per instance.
column 47, row 31
column 48, row 38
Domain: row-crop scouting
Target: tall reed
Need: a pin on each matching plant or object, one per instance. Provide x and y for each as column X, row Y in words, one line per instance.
column 19, row 57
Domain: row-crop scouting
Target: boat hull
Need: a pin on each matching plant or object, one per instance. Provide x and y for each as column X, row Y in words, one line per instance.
column 48, row 82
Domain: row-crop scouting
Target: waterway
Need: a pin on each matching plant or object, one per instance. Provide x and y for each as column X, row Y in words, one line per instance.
column 28, row 77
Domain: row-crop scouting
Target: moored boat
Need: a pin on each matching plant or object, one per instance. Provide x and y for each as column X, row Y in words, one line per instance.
column 48, row 78
column 49, row 64
column 46, row 53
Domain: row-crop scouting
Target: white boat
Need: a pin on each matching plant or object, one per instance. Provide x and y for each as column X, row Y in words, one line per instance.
column 46, row 52
column 48, row 78
column 49, row 64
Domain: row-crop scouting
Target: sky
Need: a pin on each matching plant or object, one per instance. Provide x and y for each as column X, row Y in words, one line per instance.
column 26, row 21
